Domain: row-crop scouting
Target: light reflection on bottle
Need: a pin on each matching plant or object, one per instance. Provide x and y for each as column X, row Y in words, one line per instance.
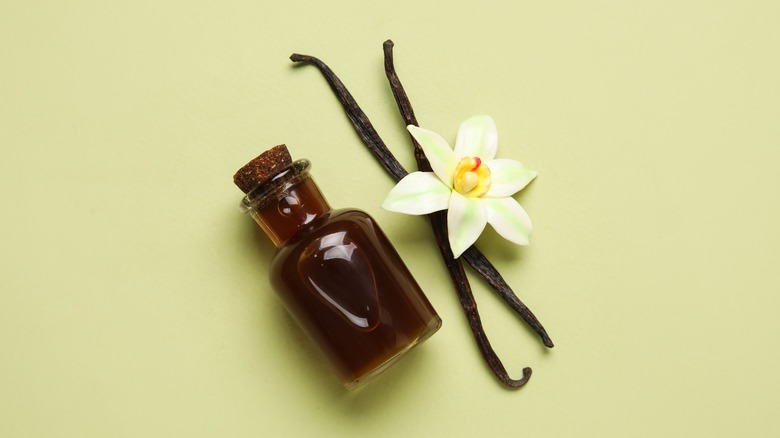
column 339, row 273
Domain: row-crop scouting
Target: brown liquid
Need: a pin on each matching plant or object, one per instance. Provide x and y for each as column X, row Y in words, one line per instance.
column 344, row 283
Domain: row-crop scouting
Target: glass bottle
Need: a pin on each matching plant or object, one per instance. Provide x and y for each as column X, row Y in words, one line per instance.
column 339, row 277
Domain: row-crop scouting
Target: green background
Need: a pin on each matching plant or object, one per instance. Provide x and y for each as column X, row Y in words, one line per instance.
column 133, row 294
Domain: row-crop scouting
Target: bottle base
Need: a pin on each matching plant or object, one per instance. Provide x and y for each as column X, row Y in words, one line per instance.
column 432, row 327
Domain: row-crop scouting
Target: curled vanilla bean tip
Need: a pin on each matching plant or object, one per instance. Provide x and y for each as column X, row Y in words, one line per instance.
column 514, row 384
column 526, row 375
column 297, row 57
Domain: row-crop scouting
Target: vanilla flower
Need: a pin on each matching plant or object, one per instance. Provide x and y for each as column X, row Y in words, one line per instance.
column 470, row 182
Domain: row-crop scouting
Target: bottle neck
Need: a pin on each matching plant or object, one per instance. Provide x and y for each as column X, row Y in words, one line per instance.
column 287, row 203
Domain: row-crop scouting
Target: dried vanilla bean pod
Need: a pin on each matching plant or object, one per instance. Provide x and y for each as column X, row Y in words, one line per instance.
column 358, row 118
column 375, row 144
column 482, row 265
column 404, row 105
column 472, row 255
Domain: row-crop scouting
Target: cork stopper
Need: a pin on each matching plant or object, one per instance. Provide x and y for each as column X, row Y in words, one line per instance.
column 259, row 170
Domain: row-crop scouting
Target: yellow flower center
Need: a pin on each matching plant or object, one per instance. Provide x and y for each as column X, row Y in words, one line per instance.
column 472, row 178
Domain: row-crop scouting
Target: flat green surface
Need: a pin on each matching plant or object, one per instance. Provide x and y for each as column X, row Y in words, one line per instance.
column 133, row 294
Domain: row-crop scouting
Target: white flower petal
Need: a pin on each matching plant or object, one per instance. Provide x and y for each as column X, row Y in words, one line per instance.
column 509, row 219
column 418, row 193
column 477, row 137
column 507, row 177
column 466, row 219
column 438, row 152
